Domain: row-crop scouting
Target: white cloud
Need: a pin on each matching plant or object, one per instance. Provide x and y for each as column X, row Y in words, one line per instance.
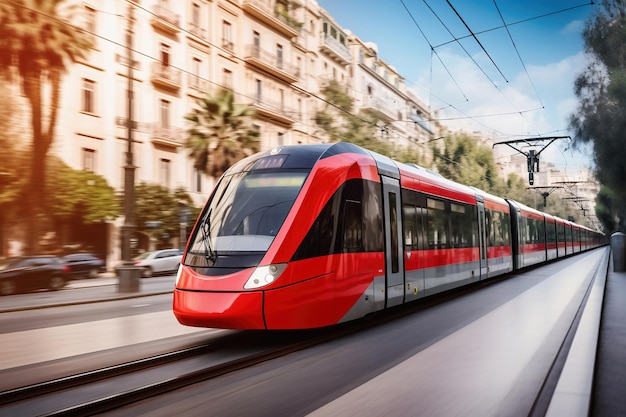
column 575, row 27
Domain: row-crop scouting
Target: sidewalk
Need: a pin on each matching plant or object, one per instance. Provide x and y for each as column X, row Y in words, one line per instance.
column 84, row 291
column 608, row 397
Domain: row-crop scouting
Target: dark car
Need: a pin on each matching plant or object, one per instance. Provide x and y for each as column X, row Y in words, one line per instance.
column 84, row 265
column 28, row 273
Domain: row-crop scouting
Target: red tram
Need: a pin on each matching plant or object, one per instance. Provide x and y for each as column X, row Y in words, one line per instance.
column 313, row 235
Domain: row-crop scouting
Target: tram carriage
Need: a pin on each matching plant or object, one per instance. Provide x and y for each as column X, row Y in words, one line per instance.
column 314, row 235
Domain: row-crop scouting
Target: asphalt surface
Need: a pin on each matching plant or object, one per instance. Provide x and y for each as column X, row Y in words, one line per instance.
column 608, row 396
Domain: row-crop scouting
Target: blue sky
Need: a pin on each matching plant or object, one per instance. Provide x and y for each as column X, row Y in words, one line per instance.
column 506, row 95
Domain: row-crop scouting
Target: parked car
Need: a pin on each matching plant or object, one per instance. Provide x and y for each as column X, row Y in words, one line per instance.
column 84, row 265
column 159, row 261
column 28, row 273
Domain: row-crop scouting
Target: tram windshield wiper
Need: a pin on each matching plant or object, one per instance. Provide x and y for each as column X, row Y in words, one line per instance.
column 209, row 254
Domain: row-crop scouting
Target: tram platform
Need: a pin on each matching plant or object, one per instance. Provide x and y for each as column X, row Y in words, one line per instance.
column 591, row 382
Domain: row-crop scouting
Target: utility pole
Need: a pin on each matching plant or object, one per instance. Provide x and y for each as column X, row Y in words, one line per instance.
column 128, row 273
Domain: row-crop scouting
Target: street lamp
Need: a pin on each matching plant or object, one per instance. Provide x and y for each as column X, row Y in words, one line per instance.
column 184, row 214
column 128, row 273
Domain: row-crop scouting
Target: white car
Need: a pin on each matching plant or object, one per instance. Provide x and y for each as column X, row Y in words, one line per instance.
column 159, row 261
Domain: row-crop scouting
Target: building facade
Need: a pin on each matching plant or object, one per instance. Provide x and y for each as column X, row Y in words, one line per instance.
column 157, row 57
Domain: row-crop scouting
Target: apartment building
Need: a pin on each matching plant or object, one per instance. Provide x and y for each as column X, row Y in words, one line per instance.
column 276, row 55
column 379, row 89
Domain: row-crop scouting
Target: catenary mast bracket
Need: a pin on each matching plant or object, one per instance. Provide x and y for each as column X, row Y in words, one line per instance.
column 532, row 156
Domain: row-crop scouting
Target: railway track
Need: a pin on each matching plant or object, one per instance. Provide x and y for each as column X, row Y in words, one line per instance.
column 112, row 387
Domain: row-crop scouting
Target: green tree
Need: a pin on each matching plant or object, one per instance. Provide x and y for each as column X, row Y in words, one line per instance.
column 75, row 197
column 600, row 119
column 341, row 125
column 221, row 133
column 155, row 203
column 36, row 47
column 463, row 160
column 607, row 213
column 12, row 179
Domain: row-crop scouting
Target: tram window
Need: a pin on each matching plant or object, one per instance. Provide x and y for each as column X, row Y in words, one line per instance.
column 353, row 227
column 535, row 231
column 409, row 216
column 500, row 229
column 489, row 228
column 373, row 240
column 541, row 231
column 504, row 230
column 461, row 226
column 393, row 227
column 437, row 224
column 350, row 221
column 561, row 233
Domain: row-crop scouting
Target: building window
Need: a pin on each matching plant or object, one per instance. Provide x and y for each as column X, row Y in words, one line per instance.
column 256, row 41
column 196, row 64
column 90, row 20
column 165, row 55
column 281, row 139
column 195, row 14
column 88, row 99
column 165, row 114
column 164, row 172
column 279, row 55
column 89, row 160
column 259, row 91
column 227, row 78
column 227, row 35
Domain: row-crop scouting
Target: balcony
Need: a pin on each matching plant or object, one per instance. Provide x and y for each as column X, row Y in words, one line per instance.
column 121, row 123
column 168, row 136
column 228, row 45
column 273, row 110
column 271, row 63
column 335, row 50
column 165, row 19
column 123, row 60
column 165, row 76
column 379, row 108
column 266, row 12
column 197, row 86
column 198, row 31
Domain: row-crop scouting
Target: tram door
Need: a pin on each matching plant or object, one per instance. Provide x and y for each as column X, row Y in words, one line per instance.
column 394, row 251
column 482, row 238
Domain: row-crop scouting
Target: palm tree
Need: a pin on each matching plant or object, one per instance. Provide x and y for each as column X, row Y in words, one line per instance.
column 36, row 46
column 221, row 133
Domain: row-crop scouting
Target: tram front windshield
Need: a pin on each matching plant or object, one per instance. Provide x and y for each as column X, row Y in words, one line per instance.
column 246, row 211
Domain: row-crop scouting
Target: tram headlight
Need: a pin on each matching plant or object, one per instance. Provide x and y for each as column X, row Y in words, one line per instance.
column 264, row 275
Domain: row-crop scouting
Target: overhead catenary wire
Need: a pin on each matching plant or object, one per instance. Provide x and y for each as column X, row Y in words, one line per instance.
column 461, row 45
column 473, row 35
column 590, row 3
column 518, row 54
column 433, row 51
